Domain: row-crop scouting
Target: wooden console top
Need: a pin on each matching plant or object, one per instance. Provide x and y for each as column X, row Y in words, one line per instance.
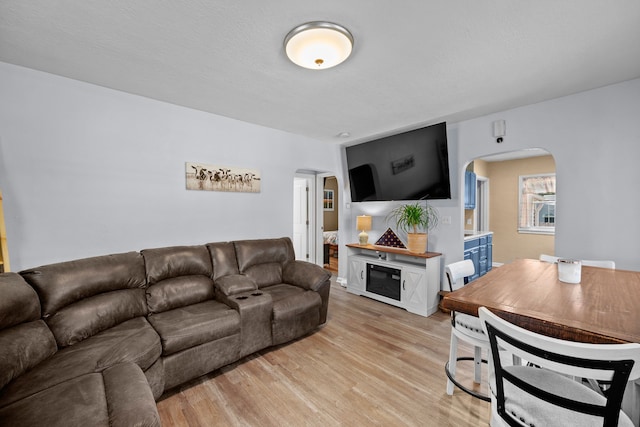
column 391, row 250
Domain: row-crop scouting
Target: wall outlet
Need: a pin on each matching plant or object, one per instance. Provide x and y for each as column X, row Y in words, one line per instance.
column 469, row 221
column 446, row 220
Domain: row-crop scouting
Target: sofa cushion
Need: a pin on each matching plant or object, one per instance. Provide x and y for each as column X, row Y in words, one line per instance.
column 19, row 302
column 176, row 261
column 262, row 260
column 295, row 311
column 129, row 397
column 59, row 285
column 291, row 301
column 117, row 397
column 79, row 401
column 25, row 340
column 178, row 276
column 254, row 252
column 235, row 284
column 223, row 257
column 282, row 291
column 193, row 325
column 23, row 347
column 92, row 315
column 134, row 341
column 267, row 274
column 179, row 292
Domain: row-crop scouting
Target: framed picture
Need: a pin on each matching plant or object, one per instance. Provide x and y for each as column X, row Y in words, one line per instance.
column 327, row 202
column 402, row 164
column 222, row 178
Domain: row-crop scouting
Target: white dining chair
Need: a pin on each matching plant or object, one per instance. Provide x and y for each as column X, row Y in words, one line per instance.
column 529, row 396
column 599, row 263
column 586, row 262
column 466, row 328
column 602, row 264
column 589, row 263
column 549, row 258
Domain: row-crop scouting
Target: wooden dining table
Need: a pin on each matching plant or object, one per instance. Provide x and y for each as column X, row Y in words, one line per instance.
column 603, row 308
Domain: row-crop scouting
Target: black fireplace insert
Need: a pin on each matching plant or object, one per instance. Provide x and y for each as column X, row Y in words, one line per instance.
column 383, row 281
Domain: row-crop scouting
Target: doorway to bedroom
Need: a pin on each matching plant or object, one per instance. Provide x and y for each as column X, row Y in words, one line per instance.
column 315, row 218
column 329, row 224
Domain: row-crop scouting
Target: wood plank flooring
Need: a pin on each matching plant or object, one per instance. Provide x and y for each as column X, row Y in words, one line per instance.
column 371, row 365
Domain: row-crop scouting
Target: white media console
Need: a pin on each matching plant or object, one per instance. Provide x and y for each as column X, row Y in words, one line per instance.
column 395, row 276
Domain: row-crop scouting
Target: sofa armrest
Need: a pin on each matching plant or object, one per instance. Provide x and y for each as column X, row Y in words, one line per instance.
column 305, row 275
column 130, row 401
column 235, row 284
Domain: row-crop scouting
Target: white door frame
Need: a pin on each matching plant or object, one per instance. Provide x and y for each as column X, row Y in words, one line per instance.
column 320, row 215
column 315, row 242
column 311, row 245
column 482, row 192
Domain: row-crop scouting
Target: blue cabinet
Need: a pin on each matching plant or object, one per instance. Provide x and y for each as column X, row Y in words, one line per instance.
column 489, row 251
column 474, row 255
column 469, row 190
column 482, row 246
column 480, row 251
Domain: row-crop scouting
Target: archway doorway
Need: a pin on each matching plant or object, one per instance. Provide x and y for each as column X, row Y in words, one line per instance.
column 329, row 224
column 521, row 228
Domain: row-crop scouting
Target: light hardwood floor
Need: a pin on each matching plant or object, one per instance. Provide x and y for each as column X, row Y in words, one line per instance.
column 371, row 364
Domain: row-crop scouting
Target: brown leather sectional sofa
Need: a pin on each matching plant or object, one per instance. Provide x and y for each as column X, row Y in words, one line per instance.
column 96, row 341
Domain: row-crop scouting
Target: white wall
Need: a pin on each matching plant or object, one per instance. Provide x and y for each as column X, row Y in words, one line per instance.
column 594, row 137
column 87, row 171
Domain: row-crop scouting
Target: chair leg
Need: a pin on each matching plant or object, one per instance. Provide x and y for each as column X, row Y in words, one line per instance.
column 450, row 370
column 477, row 361
column 453, row 355
column 496, row 420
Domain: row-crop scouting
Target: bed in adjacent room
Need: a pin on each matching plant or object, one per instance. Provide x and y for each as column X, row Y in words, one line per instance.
column 330, row 239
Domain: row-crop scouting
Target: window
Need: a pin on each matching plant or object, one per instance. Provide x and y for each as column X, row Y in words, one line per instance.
column 537, row 213
column 327, row 201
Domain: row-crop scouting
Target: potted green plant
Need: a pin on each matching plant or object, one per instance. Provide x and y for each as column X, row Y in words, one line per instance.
column 416, row 220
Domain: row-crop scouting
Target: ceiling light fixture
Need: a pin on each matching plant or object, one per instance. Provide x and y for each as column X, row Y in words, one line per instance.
column 318, row 45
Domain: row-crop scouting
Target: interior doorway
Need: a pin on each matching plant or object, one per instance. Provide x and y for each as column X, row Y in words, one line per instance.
column 481, row 212
column 303, row 218
column 499, row 208
column 329, row 223
column 315, row 218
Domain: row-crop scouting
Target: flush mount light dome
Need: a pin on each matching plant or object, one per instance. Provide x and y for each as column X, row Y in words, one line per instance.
column 318, row 45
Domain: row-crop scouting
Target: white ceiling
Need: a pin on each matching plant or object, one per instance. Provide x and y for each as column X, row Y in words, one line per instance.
column 415, row 62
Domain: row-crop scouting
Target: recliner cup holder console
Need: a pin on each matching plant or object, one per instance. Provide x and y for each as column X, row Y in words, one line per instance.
column 253, row 294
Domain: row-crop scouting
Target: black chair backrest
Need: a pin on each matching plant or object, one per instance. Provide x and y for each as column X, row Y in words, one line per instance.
column 540, row 351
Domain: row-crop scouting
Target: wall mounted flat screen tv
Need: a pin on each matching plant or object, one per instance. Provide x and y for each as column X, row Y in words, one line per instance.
column 412, row 165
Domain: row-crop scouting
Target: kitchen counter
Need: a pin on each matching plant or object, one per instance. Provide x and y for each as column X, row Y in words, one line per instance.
column 470, row 234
